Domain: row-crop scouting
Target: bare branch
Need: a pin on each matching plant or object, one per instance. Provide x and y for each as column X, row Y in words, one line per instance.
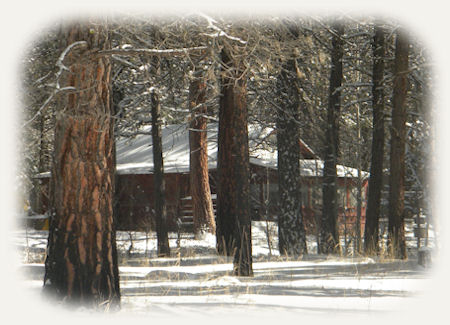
column 47, row 102
column 125, row 62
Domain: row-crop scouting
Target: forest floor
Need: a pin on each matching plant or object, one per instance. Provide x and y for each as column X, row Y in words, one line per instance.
column 195, row 282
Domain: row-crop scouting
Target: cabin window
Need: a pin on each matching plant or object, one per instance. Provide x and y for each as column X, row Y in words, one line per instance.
column 263, row 196
column 305, row 195
column 342, row 200
column 270, row 194
column 316, row 195
column 351, row 199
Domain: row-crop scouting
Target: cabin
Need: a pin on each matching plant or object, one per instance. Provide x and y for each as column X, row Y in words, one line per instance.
column 134, row 179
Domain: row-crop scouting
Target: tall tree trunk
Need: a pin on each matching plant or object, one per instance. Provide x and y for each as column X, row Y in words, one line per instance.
column 225, row 221
column 396, row 227
column 291, row 230
column 81, row 265
column 202, row 206
column 329, row 233
column 371, row 231
column 116, row 97
column 233, row 229
column 37, row 190
column 158, row 180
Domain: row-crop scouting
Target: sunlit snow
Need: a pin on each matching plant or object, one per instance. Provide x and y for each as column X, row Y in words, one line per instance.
column 194, row 281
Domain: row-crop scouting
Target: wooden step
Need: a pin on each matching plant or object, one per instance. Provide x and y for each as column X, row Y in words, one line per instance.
column 186, row 219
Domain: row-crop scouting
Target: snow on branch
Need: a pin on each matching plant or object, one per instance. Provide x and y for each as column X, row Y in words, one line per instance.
column 177, row 110
column 126, row 134
column 358, row 101
column 332, row 31
column 61, row 58
column 219, row 32
column 208, row 117
column 152, row 52
column 41, row 78
column 60, row 64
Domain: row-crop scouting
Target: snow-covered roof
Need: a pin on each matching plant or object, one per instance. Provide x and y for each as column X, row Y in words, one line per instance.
column 135, row 155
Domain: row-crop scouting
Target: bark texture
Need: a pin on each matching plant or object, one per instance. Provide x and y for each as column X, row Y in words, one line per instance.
column 202, row 206
column 162, row 233
column 371, row 232
column 329, row 234
column 396, row 227
column 233, row 213
column 81, row 265
column 291, row 230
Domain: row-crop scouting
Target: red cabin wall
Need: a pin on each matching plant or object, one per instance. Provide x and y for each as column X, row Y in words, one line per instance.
column 134, row 200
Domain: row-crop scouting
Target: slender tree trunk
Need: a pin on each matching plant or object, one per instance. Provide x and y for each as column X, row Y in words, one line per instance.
column 81, row 265
column 233, row 213
column 116, row 97
column 396, row 227
column 371, row 232
column 329, row 234
column 202, row 206
column 158, row 180
column 291, row 230
column 36, row 194
column 225, row 221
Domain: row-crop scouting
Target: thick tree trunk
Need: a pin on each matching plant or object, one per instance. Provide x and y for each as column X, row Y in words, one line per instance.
column 329, row 234
column 396, row 227
column 371, row 232
column 202, row 206
column 158, row 180
column 291, row 230
column 81, row 265
column 233, row 213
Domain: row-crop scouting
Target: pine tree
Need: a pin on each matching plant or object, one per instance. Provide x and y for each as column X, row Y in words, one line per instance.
column 81, row 265
column 202, row 206
column 233, row 229
column 162, row 233
column 396, row 226
column 376, row 166
column 291, row 230
column 329, row 234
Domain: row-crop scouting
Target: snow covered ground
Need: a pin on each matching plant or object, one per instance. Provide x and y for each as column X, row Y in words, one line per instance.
column 195, row 282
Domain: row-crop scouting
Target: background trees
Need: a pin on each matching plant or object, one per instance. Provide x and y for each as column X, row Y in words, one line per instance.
column 38, row 99
column 299, row 78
